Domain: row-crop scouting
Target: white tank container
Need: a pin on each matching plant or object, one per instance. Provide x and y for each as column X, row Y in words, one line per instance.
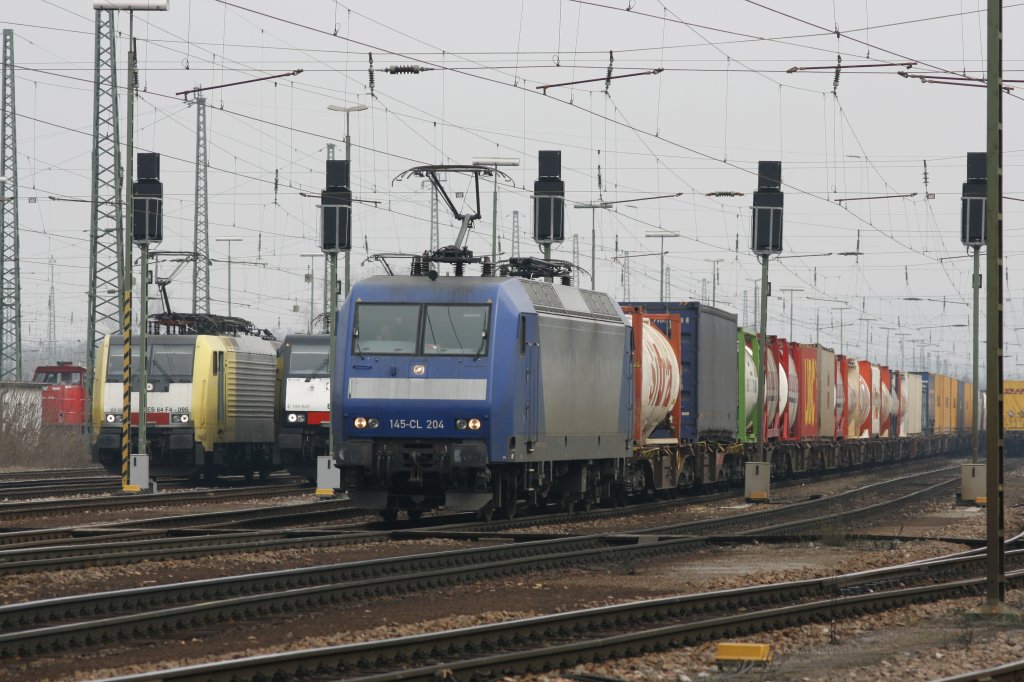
column 660, row 381
column 794, row 393
column 840, row 396
column 750, row 381
column 771, row 388
column 904, row 394
column 864, row 399
column 885, row 404
column 876, row 400
column 854, row 418
column 783, row 388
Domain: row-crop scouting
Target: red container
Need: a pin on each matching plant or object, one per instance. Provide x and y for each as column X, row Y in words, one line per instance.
column 805, row 357
column 842, row 388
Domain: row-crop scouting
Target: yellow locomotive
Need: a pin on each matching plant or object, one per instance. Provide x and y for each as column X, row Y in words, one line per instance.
column 211, row 403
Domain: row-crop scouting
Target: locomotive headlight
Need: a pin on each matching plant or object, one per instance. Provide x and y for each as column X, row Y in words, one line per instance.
column 292, row 417
column 419, row 369
column 474, row 424
column 179, row 419
column 461, row 424
column 372, row 422
column 111, row 418
column 359, row 422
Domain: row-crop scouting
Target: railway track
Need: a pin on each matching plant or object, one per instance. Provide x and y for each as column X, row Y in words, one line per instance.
column 20, row 490
column 21, row 510
column 568, row 639
column 49, row 474
column 41, row 626
column 30, row 551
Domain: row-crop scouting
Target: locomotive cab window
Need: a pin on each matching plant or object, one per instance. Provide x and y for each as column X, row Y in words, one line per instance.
column 307, row 362
column 455, row 330
column 386, row 329
column 171, row 363
column 115, row 364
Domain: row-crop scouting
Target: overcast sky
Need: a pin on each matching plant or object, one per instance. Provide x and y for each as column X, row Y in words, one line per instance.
column 723, row 102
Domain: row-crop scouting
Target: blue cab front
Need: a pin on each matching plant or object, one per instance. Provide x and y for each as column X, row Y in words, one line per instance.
column 416, row 368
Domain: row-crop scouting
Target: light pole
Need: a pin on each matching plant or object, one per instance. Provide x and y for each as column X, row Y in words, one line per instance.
column 842, row 326
column 334, row 256
column 229, row 241
column 714, row 280
column 494, row 163
column 662, row 235
column 312, row 287
column 593, row 206
column 791, row 291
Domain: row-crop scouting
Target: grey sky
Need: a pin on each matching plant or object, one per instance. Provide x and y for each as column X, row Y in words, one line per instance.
column 723, row 102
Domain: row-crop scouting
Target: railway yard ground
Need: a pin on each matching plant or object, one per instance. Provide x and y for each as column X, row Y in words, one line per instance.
column 923, row 641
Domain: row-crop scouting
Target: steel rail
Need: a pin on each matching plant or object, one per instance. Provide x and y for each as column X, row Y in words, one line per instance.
column 15, row 510
column 567, row 639
column 255, row 595
column 107, row 551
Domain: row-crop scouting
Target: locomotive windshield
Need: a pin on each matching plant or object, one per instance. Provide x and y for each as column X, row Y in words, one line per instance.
column 168, row 363
column 394, row 329
column 115, row 363
column 307, row 362
column 172, row 363
column 54, row 377
column 386, row 329
column 455, row 330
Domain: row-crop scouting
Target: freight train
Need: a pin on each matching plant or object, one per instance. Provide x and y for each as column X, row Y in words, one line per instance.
column 483, row 392
column 211, row 398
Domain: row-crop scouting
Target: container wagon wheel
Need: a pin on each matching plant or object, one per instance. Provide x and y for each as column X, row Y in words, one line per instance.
column 389, row 515
column 414, row 514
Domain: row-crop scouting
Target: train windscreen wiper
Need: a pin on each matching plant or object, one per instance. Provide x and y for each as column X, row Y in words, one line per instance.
column 316, row 372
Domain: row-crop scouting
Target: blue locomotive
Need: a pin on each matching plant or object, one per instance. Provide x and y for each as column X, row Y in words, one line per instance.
column 464, row 392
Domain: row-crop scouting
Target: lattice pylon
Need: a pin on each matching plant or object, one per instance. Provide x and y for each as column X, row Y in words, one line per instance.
column 515, row 234
column 10, row 273
column 106, row 226
column 201, row 261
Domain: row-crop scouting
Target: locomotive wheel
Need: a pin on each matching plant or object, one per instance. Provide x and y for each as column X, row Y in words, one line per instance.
column 486, row 514
column 389, row 515
column 414, row 514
